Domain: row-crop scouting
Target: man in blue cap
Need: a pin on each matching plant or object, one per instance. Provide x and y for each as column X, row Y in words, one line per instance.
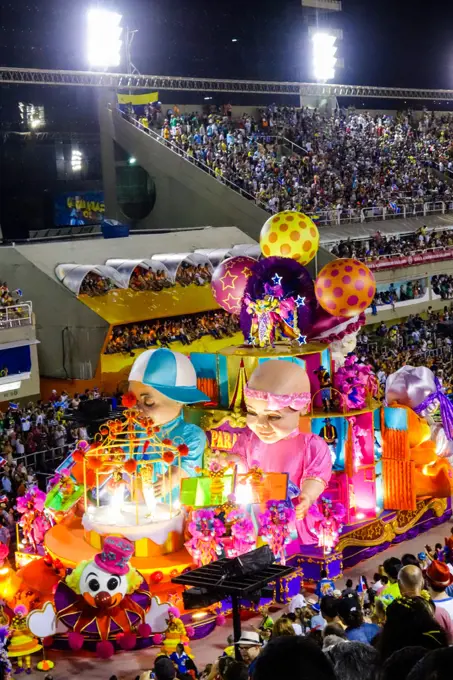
column 162, row 382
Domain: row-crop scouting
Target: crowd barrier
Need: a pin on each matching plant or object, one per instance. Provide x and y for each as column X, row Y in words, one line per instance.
column 416, row 257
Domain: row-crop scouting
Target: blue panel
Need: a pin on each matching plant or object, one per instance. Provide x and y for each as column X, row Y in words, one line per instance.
column 222, row 368
column 395, row 418
column 15, row 360
column 325, row 358
column 204, row 364
column 341, row 426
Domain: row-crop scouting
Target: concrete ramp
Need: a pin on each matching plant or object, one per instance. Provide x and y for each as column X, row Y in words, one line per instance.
column 186, row 195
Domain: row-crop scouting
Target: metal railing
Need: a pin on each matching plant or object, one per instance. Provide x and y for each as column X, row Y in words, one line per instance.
column 16, row 315
column 191, row 159
column 55, row 455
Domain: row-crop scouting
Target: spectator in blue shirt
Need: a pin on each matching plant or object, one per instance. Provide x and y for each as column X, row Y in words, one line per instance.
column 325, row 586
column 180, row 658
column 351, row 615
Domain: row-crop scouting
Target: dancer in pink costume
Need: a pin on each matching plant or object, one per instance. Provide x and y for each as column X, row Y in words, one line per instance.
column 276, row 395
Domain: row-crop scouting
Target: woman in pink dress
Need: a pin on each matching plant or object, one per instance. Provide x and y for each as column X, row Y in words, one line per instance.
column 276, row 395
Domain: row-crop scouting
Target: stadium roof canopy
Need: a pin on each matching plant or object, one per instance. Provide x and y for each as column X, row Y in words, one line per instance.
column 72, row 275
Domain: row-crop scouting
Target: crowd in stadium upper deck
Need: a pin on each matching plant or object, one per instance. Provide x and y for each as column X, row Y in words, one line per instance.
column 398, row 244
column 344, row 162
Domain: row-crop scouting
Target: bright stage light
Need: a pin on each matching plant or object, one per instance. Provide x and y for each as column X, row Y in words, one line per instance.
column 104, row 33
column 76, row 160
column 324, row 59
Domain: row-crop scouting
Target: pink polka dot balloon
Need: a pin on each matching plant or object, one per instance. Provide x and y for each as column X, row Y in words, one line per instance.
column 229, row 281
column 345, row 287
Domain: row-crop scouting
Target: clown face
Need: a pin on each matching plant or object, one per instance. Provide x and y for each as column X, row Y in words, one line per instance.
column 100, row 588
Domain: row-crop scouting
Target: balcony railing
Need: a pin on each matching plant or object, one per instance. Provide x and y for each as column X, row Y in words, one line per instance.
column 16, row 315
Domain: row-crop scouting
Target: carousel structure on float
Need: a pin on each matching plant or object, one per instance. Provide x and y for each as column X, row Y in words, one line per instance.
column 292, row 448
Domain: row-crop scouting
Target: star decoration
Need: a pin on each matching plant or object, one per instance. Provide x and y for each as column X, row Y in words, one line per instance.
column 300, row 301
column 231, row 302
column 302, row 339
column 247, row 272
column 228, row 280
column 277, row 279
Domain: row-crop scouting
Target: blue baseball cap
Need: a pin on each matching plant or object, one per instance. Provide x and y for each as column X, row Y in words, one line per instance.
column 170, row 373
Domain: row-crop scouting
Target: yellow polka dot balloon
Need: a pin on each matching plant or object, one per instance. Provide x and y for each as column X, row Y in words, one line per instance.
column 290, row 234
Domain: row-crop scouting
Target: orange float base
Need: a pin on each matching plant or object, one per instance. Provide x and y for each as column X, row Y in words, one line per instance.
column 66, row 542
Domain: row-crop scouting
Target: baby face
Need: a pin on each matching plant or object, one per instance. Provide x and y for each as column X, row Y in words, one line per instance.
column 154, row 404
column 269, row 425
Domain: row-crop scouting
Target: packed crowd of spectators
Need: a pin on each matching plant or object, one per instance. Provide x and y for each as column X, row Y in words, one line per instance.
column 379, row 245
column 343, row 162
column 397, row 626
column 10, row 308
column 34, row 439
column 409, row 290
column 162, row 332
column 148, row 279
column 414, row 342
column 443, row 285
column 188, row 273
column 95, row 284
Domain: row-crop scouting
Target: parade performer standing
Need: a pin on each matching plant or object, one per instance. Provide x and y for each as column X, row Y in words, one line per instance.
column 277, row 394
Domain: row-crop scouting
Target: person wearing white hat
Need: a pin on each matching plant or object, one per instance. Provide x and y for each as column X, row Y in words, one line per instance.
column 250, row 646
column 163, row 381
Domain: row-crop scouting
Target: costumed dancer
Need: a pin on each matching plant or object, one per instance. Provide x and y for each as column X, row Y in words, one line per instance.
column 163, row 382
column 330, row 435
column 176, row 633
column 22, row 643
column 276, row 395
column 325, row 384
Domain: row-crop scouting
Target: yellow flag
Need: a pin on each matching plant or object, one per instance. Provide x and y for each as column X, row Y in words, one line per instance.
column 138, row 99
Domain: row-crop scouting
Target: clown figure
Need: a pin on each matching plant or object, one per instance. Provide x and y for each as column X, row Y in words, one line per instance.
column 104, row 596
column 276, row 396
column 163, row 382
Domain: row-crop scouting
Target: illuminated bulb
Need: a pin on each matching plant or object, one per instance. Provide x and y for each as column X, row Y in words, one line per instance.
column 199, row 615
column 244, row 493
column 360, row 515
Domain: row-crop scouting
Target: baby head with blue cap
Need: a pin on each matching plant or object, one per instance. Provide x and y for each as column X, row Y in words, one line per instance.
column 162, row 382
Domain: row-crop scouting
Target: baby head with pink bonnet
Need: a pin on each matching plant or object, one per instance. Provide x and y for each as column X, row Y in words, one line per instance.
column 276, row 395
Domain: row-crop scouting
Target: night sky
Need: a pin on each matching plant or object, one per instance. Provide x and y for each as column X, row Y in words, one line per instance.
column 387, row 42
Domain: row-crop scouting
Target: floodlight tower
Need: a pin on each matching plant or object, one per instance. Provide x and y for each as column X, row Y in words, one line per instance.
column 324, row 36
column 103, row 38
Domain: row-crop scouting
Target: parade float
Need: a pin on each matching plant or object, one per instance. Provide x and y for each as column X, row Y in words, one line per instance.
column 291, row 448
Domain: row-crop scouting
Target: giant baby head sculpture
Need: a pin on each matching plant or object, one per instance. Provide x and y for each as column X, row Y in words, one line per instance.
column 276, row 395
column 162, row 382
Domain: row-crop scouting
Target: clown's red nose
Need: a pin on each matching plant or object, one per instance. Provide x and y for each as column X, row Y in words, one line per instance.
column 103, row 600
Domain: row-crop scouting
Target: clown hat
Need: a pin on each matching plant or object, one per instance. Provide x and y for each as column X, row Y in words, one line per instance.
column 170, row 373
column 115, row 556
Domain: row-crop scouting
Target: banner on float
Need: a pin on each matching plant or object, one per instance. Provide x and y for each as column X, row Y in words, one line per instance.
column 410, row 260
column 138, row 99
column 79, row 209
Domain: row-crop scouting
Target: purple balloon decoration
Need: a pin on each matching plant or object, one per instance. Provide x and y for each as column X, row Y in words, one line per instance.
column 286, row 278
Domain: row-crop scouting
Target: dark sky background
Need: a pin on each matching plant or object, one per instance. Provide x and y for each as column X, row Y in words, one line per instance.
column 387, row 42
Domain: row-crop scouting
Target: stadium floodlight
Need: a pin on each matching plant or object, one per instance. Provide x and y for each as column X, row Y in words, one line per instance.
column 104, row 38
column 76, row 160
column 324, row 60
